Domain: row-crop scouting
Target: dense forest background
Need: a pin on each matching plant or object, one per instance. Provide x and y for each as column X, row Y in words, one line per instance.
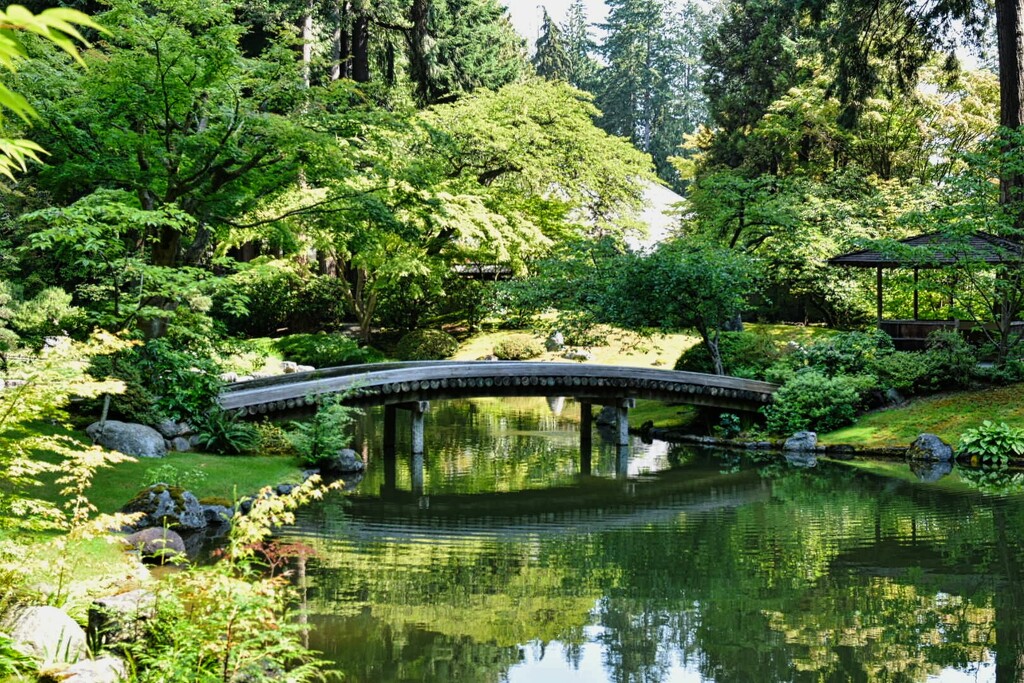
column 257, row 167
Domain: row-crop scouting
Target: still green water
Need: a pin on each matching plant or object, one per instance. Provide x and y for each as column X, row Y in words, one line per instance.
column 502, row 561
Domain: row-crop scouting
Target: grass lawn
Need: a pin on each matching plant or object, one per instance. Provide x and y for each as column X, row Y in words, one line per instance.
column 207, row 476
column 621, row 348
column 631, row 350
column 946, row 415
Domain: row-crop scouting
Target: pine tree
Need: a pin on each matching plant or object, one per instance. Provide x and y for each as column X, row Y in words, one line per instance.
column 460, row 45
column 650, row 91
column 579, row 47
column 551, row 59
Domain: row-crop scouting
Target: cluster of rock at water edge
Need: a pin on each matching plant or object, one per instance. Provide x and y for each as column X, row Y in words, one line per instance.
column 173, row 523
column 929, row 457
column 143, row 441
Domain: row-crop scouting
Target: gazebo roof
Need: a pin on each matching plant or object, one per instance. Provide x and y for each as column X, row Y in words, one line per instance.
column 937, row 251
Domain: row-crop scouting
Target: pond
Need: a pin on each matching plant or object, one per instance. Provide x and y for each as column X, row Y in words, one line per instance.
column 501, row 559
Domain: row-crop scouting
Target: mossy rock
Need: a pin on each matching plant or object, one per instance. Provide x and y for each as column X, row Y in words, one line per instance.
column 167, row 506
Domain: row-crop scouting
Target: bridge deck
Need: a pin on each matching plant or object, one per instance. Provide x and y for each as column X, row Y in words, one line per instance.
column 393, row 383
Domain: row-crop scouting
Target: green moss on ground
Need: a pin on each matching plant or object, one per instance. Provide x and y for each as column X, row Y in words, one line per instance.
column 946, row 415
column 662, row 415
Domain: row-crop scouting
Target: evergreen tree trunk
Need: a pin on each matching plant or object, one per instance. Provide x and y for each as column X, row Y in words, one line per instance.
column 339, row 42
column 1009, row 15
column 361, row 46
column 418, row 36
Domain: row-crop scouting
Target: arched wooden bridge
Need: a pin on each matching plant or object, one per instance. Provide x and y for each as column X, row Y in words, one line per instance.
column 404, row 383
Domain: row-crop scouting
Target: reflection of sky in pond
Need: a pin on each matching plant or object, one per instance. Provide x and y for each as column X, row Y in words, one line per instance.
column 697, row 566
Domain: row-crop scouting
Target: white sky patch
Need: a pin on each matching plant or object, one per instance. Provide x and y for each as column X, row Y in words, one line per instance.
column 527, row 14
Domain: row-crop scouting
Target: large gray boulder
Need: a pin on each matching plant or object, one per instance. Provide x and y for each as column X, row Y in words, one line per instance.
column 107, row 669
column 345, row 461
column 555, row 341
column 801, row 442
column 167, row 506
column 129, row 438
column 120, row 618
column 48, row 635
column 157, row 543
column 930, row 447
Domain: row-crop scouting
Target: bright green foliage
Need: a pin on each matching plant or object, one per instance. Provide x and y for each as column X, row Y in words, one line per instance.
column 686, row 284
column 325, row 350
column 813, row 400
column 518, row 347
column 426, row 345
column 173, row 113
column 992, row 443
column 325, row 434
column 15, row 664
column 744, row 354
column 56, row 25
column 551, row 59
column 162, row 381
column 229, row 621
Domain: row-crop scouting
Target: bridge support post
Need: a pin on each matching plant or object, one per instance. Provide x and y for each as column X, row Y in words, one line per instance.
column 416, row 472
column 416, row 410
column 586, row 437
column 622, row 420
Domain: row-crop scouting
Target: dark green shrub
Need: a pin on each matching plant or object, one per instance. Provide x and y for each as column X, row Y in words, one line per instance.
column 161, row 381
column 953, row 361
column 518, row 347
column 426, row 345
column 326, row 350
column 220, row 433
column 270, row 292
column 744, row 354
column 812, row 400
column 848, row 353
column 904, row 371
column 320, row 304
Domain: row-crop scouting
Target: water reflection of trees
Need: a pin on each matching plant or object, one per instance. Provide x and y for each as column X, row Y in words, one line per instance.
column 839, row 576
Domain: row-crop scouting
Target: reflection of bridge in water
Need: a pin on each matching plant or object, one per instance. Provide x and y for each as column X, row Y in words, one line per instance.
column 591, row 505
column 411, row 386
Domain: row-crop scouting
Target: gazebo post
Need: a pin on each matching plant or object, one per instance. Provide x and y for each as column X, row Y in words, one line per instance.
column 915, row 294
column 878, row 294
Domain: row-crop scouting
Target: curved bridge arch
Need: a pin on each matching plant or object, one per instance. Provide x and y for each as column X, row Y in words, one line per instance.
column 405, row 383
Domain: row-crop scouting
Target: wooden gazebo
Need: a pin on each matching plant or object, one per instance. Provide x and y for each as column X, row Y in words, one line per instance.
column 929, row 251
